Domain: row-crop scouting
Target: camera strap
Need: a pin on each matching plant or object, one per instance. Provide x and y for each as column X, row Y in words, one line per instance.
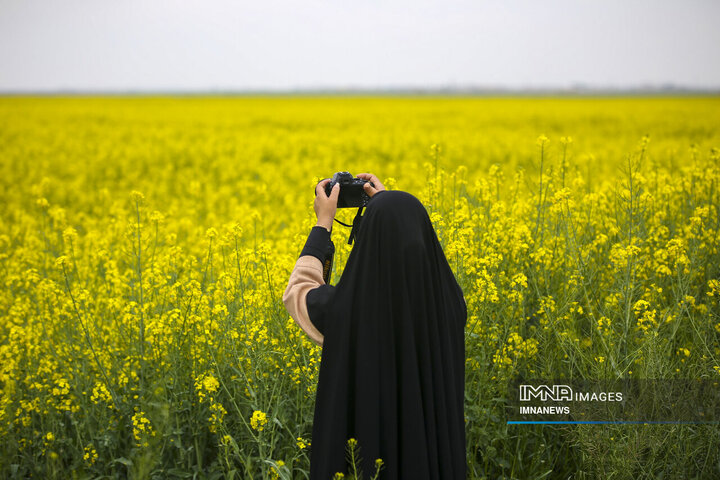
column 355, row 225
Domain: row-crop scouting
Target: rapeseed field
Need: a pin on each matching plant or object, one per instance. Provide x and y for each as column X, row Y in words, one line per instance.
column 145, row 244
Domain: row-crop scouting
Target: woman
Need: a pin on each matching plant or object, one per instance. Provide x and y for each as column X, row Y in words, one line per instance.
column 392, row 332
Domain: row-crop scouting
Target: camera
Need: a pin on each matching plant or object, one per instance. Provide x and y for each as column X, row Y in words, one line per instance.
column 352, row 193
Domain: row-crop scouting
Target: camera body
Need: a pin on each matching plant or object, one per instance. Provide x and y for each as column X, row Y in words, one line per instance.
column 352, row 193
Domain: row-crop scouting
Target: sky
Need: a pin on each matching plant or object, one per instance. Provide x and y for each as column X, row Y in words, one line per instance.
column 210, row 45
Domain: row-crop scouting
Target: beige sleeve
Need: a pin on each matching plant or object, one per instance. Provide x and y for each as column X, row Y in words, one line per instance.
column 306, row 275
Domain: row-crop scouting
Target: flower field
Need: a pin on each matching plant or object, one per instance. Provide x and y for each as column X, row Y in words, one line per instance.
column 145, row 244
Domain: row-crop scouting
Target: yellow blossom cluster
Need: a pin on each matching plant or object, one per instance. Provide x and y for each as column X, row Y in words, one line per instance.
column 142, row 429
column 258, row 420
column 515, row 349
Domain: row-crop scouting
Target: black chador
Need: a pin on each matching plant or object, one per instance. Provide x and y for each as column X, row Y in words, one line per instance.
column 393, row 357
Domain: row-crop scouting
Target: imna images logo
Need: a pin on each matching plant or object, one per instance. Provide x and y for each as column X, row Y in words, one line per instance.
column 544, row 393
column 559, row 393
column 616, row 401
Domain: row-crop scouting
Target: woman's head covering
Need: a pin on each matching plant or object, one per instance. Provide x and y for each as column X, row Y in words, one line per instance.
column 393, row 360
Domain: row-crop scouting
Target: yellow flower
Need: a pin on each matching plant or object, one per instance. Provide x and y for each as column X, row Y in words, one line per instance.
column 258, row 420
column 100, row 393
column 142, row 429
column 90, row 455
column 714, row 287
column 137, row 197
column 69, row 235
column 210, row 384
column 274, row 474
column 519, row 280
column 156, row 216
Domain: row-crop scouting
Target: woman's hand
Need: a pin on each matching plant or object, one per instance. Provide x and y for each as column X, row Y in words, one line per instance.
column 325, row 207
column 369, row 188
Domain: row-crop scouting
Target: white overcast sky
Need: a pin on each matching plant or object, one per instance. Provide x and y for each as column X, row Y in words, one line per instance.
column 283, row 44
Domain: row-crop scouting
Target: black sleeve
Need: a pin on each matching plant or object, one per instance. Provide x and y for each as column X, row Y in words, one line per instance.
column 320, row 246
column 318, row 299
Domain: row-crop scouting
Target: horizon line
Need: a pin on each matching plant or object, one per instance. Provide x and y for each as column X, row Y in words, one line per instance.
column 579, row 90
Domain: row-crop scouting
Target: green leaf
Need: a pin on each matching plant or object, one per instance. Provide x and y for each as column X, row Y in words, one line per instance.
column 124, row 461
